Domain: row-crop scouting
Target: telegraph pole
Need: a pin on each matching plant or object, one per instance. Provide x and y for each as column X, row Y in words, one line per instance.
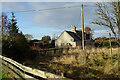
column 83, row 44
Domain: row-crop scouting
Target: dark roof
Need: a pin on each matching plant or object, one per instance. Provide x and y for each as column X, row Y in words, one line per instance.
column 76, row 36
column 79, row 33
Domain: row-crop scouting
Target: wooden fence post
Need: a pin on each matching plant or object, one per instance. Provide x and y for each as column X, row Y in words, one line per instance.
column 110, row 46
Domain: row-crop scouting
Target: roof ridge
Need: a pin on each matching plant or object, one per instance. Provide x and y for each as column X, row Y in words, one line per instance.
column 78, row 36
column 74, row 35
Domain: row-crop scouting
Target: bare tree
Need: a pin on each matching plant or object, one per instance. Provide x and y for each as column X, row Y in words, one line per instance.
column 109, row 16
column 4, row 23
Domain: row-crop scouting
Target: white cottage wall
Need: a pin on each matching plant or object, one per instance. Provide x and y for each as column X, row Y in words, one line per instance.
column 63, row 39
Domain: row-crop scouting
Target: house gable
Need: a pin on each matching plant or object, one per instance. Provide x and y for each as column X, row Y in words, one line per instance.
column 66, row 35
column 63, row 39
column 73, row 37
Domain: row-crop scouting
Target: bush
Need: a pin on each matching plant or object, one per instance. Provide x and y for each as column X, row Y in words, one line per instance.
column 99, row 62
column 15, row 47
column 115, row 56
column 105, row 56
column 106, row 43
column 99, row 42
column 114, row 43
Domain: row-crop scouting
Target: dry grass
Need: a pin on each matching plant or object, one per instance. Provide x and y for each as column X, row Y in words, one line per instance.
column 76, row 64
column 98, row 59
column 76, row 55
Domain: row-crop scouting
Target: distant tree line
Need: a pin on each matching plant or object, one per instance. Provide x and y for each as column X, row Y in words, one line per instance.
column 45, row 42
column 105, row 42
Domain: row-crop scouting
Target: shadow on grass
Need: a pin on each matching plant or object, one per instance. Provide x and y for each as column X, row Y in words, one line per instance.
column 43, row 62
column 75, row 73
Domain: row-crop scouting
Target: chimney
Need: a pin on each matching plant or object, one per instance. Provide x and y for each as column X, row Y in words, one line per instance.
column 73, row 28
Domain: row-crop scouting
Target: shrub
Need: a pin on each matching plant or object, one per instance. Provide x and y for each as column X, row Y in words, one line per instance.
column 99, row 62
column 105, row 56
column 16, row 47
column 98, row 43
column 115, row 56
column 105, row 43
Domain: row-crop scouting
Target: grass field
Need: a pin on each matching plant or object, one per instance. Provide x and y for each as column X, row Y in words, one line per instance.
column 3, row 76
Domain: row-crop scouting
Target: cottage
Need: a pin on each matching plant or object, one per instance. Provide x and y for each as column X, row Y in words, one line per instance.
column 73, row 38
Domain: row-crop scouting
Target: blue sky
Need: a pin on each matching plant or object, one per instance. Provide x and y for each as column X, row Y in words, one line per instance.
column 50, row 22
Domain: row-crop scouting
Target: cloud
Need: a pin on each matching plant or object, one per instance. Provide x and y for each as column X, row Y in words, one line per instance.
column 0, row 7
column 55, row 18
column 58, row 19
column 12, row 6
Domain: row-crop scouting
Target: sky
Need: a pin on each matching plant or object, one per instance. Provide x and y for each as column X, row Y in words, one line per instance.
column 53, row 22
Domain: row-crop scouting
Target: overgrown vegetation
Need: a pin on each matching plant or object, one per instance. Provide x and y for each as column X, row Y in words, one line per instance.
column 105, row 42
column 3, row 76
column 14, row 43
column 108, row 14
column 98, row 63
column 76, row 64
